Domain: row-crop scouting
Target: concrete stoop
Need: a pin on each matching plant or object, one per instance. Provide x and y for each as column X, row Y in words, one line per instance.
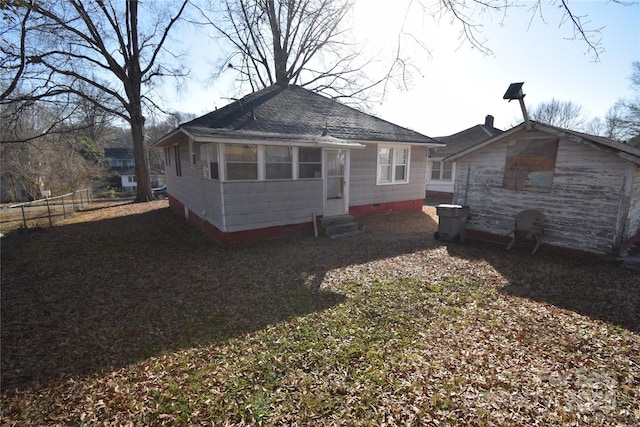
column 339, row 226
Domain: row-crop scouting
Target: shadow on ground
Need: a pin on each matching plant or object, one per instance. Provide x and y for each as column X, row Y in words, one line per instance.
column 598, row 289
column 85, row 297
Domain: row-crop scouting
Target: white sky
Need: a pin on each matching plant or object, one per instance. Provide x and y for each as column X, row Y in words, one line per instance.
column 457, row 86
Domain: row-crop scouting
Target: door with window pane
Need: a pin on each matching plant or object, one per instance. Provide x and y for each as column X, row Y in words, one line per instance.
column 335, row 182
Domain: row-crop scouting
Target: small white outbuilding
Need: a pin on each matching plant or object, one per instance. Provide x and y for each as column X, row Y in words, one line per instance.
column 587, row 187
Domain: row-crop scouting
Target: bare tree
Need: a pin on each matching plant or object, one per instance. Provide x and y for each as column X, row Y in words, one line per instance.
column 308, row 42
column 303, row 42
column 63, row 48
column 564, row 114
column 631, row 107
column 60, row 162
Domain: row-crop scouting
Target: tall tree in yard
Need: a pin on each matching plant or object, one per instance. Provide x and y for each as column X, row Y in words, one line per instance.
column 303, row 42
column 62, row 48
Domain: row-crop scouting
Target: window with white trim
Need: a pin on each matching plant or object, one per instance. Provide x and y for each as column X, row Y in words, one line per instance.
column 447, row 171
column 241, row 162
column 309, row 162
column 441, row 171
column 192, row 154
column 393, row 164
column 278, row 162
column 209, row 161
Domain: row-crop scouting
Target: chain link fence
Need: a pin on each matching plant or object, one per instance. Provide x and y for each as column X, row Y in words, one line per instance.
column 43, row 212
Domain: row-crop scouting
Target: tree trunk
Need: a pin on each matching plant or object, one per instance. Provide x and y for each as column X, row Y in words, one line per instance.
column 280, row 55
column 133, row 88
column 143, row 177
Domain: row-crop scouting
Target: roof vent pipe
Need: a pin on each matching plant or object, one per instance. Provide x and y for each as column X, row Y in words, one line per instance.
column 515, row 92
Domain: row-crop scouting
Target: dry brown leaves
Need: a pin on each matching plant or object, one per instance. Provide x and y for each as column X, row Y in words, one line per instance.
column 128, row 316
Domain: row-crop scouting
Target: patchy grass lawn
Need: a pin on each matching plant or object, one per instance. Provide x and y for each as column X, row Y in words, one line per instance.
column 126, row 315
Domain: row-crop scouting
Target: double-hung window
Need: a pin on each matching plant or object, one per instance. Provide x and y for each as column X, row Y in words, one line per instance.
column 441, row 171
column 393, row 164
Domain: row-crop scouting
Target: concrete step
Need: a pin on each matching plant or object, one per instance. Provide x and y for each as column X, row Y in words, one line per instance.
column 328, row 221
column 339, row 226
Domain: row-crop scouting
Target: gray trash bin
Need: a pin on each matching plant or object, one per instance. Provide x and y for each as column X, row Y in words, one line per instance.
column 452, row 222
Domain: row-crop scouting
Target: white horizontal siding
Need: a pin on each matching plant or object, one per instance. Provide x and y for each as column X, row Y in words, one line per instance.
column 261, row 204
column 363, row 189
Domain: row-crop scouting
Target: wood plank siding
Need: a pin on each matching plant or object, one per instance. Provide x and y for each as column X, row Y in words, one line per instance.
column 585, row 209
column 633, row 221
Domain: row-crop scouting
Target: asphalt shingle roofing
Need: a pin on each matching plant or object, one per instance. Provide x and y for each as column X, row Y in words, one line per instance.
column 464, row 139
column 293, row 111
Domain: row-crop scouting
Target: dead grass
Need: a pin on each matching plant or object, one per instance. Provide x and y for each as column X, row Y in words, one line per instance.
column 127, row 315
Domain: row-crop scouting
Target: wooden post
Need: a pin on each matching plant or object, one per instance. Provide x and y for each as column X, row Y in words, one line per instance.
column 49, row 211
column 24, row 218
column 64, row 210
column 315, row 225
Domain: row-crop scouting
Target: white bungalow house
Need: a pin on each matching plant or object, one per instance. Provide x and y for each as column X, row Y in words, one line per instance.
column 440, row 174
column 265, row 165
column 587, row 187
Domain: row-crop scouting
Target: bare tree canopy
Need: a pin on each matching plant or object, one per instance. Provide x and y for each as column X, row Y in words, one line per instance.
column 303, row 42
column 97, row 50
column 563, row 114
column 310, row 43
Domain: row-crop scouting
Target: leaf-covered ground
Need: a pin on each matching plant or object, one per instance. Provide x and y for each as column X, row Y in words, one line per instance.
column 128, row 316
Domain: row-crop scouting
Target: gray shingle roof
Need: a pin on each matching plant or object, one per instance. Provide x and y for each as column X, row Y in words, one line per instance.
column 294, row 110
column 464, row 139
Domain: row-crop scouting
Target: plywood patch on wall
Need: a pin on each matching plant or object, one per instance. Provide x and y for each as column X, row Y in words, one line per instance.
column 530, row 164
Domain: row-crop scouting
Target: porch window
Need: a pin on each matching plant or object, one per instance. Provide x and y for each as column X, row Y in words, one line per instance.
column 393, row 164
column 192, row 154
column 309, row 162
column 241, row 162
column 278, row 162
column 209, row 161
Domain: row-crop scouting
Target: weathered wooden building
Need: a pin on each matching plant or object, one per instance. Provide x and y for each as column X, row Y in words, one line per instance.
column 265, row 165
column 587, row 187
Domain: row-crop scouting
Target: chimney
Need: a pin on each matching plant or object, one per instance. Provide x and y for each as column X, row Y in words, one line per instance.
column 488, row 121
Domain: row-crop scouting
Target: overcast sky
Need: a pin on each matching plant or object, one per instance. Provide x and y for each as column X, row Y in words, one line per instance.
column 457, row 86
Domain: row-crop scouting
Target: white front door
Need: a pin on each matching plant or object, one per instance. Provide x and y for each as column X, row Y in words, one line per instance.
column 336, row 182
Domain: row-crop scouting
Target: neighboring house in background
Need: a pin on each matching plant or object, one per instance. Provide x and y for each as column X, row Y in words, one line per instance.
column 130, row 185
column 440, row 174
column 120, row 159
column 263, row 166
column 587, row 187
